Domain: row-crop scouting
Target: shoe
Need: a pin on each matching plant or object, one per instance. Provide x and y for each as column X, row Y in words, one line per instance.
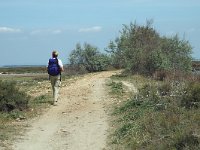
column 55, row 104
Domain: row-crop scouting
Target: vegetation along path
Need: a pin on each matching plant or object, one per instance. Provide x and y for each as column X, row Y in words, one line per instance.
column 78, row 122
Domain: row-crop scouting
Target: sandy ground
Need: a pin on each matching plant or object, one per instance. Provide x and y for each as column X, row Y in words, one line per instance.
column 78, row 122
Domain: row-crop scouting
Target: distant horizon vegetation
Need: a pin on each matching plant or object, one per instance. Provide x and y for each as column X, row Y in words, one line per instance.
column 18, row 66
column 44, row 65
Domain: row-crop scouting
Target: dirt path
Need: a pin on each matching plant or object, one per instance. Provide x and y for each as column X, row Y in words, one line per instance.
column 79, row 122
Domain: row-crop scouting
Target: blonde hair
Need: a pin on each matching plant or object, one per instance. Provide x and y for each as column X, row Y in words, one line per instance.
column 55, row 54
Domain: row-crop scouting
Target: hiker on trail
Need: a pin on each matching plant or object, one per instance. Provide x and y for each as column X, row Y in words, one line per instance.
column 54, row 68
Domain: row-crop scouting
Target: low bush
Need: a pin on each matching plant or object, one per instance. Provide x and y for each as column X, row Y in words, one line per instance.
column 191, row 96
column 11, row 98
column 156, row 118
column 165, row 89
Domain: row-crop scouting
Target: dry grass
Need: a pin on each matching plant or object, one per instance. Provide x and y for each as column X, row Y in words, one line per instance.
column 39, row 89
column 156, row 118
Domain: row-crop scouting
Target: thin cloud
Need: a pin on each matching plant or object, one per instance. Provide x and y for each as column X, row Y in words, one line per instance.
column 9, row 30
column 56, row 31
column 45, row 32
column 35, row 32
column 91, row 29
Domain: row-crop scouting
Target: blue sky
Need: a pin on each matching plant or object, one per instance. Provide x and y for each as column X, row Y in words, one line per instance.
column 31, row 29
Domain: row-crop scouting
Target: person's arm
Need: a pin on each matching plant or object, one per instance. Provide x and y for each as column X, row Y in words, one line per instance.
column 61, row 65
column 61, row 69
column 47, row 66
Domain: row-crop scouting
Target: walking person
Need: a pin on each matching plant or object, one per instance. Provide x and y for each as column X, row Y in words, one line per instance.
column 55, row 67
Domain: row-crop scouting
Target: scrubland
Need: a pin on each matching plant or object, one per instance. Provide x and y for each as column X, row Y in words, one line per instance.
column 159, row 115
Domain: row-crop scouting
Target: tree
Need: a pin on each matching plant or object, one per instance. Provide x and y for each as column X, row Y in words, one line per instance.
column 89, row 57
column 76, row 56
column 178, row 53
column 140, row 49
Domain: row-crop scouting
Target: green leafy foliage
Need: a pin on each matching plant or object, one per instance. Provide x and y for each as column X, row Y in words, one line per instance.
column 11, row 98
column 141, row 49
column 89, row 57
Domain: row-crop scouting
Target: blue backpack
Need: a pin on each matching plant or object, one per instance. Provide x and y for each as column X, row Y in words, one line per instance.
column 53, row 67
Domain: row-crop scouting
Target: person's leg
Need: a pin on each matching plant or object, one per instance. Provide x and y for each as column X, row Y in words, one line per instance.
column 55, row 86
column 53, row 81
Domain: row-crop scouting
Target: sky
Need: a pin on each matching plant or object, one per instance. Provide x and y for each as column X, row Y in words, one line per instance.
column 31, row 29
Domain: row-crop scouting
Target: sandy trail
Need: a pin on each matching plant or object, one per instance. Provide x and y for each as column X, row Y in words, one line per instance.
column 79, row 122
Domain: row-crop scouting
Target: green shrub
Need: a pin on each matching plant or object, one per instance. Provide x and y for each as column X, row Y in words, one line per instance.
column 11, row 98
column 141, row 49
column 89, row 57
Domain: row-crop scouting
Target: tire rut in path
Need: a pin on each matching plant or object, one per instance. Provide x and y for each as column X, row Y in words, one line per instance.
column 79, row 122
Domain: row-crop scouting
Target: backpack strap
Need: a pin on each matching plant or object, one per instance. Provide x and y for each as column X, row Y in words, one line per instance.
column 58, row 67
